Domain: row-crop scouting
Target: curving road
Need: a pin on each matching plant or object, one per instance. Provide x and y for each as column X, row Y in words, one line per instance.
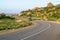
column 41, row 31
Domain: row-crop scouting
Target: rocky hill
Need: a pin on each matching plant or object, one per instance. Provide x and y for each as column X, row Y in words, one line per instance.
column 51, row 12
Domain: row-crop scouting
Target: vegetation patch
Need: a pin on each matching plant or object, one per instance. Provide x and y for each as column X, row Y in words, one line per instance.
column 6, row 24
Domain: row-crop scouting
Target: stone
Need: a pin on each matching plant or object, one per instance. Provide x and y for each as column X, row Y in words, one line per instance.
column 50, row 4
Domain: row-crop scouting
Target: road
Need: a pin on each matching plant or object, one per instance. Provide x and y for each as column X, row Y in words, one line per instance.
column 41, row 31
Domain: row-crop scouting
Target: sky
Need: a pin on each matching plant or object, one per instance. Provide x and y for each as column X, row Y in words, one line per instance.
column 15, row 6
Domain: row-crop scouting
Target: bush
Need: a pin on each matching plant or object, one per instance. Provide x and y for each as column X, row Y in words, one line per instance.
column 52, row 18
column 7, row 17
column 56, row 15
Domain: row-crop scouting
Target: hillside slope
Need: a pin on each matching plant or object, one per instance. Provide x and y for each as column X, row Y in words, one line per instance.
column 50, row 12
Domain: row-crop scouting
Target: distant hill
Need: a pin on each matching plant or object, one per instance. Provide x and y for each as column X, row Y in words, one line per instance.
column 50, row 12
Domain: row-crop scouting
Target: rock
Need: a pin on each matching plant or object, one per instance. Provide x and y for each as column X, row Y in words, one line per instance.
column 28, row 13
column 50, row 4
column 20, row 14
column 18, row 21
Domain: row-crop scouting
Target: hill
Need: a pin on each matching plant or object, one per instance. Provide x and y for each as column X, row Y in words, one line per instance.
column 50, row 12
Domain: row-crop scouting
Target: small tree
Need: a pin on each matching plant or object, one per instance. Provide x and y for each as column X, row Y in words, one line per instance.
column 2, row 15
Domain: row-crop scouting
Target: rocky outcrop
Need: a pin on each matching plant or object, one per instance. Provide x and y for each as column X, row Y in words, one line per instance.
column 50, row 4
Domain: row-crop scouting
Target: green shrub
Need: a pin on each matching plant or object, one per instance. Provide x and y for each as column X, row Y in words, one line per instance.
column 52, row 18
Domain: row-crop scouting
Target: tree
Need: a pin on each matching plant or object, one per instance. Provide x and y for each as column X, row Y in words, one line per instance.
column 2, row 15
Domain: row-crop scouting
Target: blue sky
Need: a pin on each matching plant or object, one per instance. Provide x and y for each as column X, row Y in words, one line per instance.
column 15, row 6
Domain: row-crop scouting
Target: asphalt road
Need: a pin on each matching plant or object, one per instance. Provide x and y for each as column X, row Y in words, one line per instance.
column 40, row 31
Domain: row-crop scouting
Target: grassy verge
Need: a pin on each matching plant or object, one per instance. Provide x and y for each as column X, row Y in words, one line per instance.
column 36, row 18
column 6, row 24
